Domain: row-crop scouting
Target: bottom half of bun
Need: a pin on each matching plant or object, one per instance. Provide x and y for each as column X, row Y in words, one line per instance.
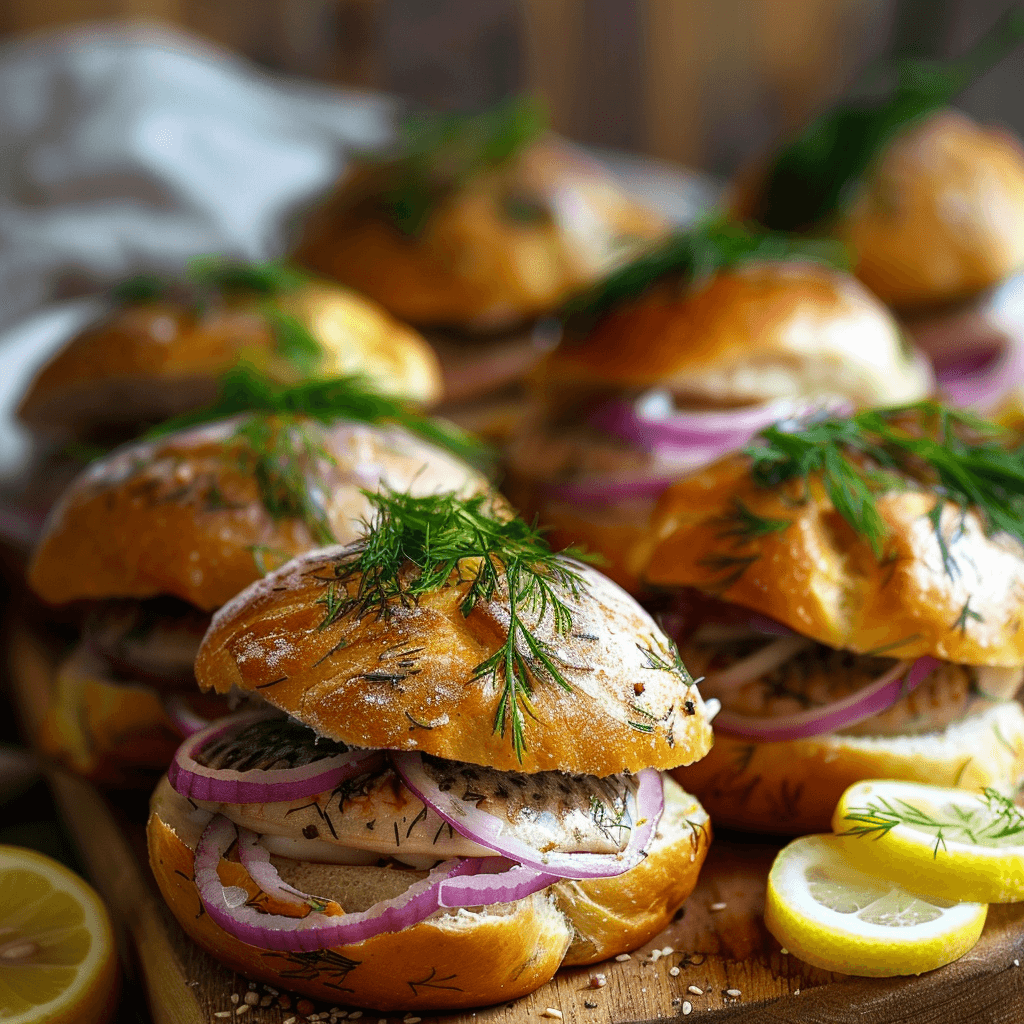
column 454, row 958
column 109, row 730
column 792, row 787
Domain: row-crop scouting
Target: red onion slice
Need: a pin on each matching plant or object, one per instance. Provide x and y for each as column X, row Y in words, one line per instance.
column 259, row 786
column 982, row 387
column 505, row 882
column 255, row 859
column 755, row 665
column 228, row 905
column 900, row 680
column 182, row 717
column 488, row 830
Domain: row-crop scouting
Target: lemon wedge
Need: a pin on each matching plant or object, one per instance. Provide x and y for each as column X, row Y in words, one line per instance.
column 950, row 843
column 835, row 917
column 57, row 962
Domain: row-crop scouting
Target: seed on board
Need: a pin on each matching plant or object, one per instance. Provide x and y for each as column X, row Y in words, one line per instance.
column 796, row 991
column 589, row 1005
column 733, row 993
column 655, row 955
column 234, row 997
column 715, row 907
column 266, row 1000
column 784, row 951
column 251, row 998
column 623, row 957
column 244, row 1008
column 687, row 1008
column 1016, row 963
column 355, row 1015
column 667, row 951
column 290, row 1020
column 695, row 990
column 598, row 980
column 674, row 971
column 551, row 1012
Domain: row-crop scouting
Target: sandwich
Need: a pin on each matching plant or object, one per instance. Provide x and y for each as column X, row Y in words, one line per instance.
column 152, row 538
column 454, row 786
column 682, row 356
column 475, row 228
column 931, row 203
column 163, row 345
column 852, row 590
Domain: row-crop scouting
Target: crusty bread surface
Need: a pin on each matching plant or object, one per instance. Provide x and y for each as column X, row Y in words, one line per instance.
column 477, row 263
column 148, row 361
column 823, row 580
column 455, row 958
column 792, row 787
column 409, row 679
column 184, row 515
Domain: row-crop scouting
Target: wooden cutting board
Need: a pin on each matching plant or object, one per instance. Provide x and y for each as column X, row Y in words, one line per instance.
column 717, row 944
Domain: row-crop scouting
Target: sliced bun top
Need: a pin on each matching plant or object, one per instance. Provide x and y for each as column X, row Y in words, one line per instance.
column 147, row 361
column 823, row 580
column 409, row 680
column 941, row 216
column 187, row 515
column 509, row 245
column 753, row 333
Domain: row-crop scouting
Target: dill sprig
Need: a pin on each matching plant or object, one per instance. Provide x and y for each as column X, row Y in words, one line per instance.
column 816, row 174
column 417, row 544
column 439, row 153
column 690, row 257
column 996, row 818
column 967, row 461
column 243, row 389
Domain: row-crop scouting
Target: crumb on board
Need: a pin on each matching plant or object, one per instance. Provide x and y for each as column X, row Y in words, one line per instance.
column 733, row 993
column 674, row 971
column 715, row 907
column 623, row 957
column 598, row 980
column 550, row 1011
column 687, row 1007
column 695, row 990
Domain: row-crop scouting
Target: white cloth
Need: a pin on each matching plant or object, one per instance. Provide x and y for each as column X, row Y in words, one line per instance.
column 130, row 150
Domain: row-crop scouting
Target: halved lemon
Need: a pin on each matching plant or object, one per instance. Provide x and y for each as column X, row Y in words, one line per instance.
column 950, row 843
column 57, row 962
column 829, row 914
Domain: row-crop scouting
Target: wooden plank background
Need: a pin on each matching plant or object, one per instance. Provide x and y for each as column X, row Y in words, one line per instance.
column 703, row 82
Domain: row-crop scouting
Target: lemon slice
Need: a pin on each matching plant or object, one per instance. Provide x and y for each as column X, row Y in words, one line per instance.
column 950, row 843
column 833, row 916
column 57, row 962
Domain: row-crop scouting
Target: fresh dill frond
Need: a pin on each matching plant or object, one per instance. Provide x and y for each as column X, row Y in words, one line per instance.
column 243, row 389
column 814, row 176
column 689, row 257
column 965, row 460
column 438, row 154
column 743, row 524
column 967, row 613
column 293, row 341
column 996, row 819
column 273, row 277
column 417, row 544
column 278, row 453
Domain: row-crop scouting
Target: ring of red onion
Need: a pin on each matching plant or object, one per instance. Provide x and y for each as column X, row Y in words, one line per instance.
column 263, row 786
column 880, row 695
column 486, row 829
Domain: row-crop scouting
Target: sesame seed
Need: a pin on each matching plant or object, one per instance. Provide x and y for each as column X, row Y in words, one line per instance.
column 674, row 971
column 694, row 990
column 623, row 957
column 796, row 992
column 784, row 951
column 715, row 907
column 290, row 1020
column 266, row 1000
column 234, row 997
column 667, row 951
column 251, row 998
column 687, row 1008
column 1016, row 963
column 550, row 1011
column 733, row 993
column 598, row 980
column 355, row 1015
column 244, row 1008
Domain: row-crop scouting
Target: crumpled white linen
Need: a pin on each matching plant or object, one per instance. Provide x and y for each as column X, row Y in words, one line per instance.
column 128, row 150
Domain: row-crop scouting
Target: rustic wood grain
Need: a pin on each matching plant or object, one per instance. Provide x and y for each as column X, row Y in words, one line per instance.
column 715, row 950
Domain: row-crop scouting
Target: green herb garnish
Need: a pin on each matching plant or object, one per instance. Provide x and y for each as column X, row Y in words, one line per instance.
column 690, row 257
column 817, row 173
column 963, row 458
column 440, row 153
column 245, row 390
column 414, row 547
column 997, row 818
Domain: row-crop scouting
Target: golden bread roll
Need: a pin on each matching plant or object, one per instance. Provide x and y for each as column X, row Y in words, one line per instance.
column 753, row 333
column 793, row 787
column 484, row 955
column 825, row 581
column 202, row 513
column 507, row 245
column 410, row 680
column 146, row 361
